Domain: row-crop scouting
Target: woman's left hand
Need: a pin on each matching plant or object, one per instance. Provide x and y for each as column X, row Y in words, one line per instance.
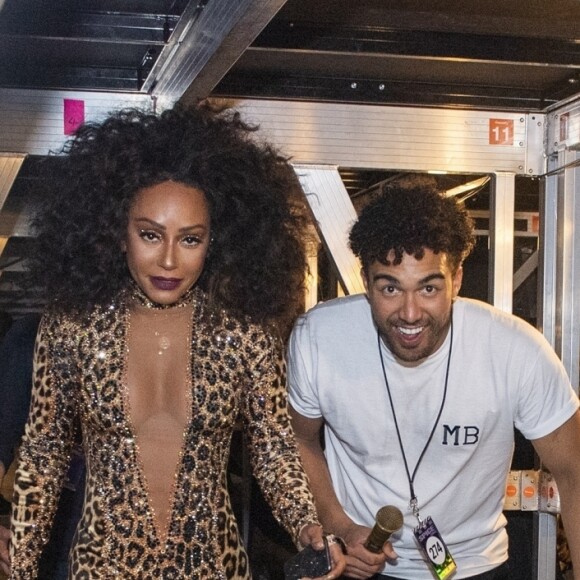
column 313, row 535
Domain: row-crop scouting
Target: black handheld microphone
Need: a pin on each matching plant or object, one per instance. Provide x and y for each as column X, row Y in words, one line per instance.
column 388, row 520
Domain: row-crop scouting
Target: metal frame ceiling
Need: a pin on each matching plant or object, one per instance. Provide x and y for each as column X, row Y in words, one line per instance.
column 516, row 55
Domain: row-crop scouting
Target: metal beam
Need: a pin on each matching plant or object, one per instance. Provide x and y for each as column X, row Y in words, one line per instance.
column 268, row 80
column 388, row 41
column 560, row 282
column 10, row 164
column 501, row 238
column 334, row 215
column 210, row 37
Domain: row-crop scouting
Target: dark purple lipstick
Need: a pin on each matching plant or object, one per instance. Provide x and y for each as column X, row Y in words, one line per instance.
column 165, row 283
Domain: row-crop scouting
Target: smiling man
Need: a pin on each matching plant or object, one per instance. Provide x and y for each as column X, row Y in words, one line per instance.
column 418, row 392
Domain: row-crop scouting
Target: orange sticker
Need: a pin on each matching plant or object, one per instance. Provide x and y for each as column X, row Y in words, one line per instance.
column 511, row 490
column 501, row 132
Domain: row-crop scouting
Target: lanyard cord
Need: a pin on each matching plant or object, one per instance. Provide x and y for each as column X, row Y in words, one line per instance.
column 410, row 477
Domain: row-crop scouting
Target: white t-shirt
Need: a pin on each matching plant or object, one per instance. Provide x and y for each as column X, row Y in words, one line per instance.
column 502, row 373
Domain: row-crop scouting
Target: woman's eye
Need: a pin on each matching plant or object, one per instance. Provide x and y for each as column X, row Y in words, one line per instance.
column 192, row 240
column 149, row 236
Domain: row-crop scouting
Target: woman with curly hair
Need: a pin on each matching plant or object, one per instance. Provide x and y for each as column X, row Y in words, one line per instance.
column 169, row 248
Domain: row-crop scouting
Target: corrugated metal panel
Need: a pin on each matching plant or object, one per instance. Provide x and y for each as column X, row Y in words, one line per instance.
column 33, row 121
column 401, row 138
column 334, row 214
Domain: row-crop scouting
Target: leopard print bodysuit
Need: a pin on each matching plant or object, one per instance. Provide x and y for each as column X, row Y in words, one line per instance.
column 237, row 377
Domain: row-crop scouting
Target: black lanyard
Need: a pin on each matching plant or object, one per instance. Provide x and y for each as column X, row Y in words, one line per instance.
column 411, row 478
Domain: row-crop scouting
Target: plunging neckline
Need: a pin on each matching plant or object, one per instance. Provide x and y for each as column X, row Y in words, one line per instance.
column 158, row 398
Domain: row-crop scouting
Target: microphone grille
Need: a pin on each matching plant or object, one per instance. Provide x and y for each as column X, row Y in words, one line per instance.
column 389, row 518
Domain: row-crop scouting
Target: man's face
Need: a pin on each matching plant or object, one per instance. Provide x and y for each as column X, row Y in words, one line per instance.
column 411, row 303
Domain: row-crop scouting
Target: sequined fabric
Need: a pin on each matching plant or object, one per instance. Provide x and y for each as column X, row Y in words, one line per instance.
column 236, row 378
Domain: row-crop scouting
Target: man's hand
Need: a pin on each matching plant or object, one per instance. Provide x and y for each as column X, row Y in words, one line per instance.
column 4, row 555
column 360, row 562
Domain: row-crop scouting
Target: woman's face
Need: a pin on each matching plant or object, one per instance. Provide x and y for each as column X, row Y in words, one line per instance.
column 167, row 239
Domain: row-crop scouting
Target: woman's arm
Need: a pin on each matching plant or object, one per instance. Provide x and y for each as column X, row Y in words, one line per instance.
column 276, row 459
column 45, row 448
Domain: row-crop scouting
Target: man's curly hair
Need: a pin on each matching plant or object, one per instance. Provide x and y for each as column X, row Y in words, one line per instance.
column 256, row 265
column 408, row 219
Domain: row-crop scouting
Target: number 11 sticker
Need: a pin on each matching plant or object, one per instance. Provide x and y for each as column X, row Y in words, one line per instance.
column 435, row 549
column 501, row 132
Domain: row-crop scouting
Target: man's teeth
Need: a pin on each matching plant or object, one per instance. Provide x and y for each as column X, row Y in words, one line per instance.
column 410, row 331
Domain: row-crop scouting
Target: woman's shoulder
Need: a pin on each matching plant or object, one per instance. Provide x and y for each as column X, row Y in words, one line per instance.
column 75, row 322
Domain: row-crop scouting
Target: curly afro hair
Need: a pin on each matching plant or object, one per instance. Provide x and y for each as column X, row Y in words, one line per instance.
column 406, row 220
column 256, row 266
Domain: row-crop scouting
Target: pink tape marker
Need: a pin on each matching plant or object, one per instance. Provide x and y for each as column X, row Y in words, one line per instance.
column 74, row 115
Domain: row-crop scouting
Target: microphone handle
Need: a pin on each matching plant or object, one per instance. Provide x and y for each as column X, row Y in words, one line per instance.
column 377, row 539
